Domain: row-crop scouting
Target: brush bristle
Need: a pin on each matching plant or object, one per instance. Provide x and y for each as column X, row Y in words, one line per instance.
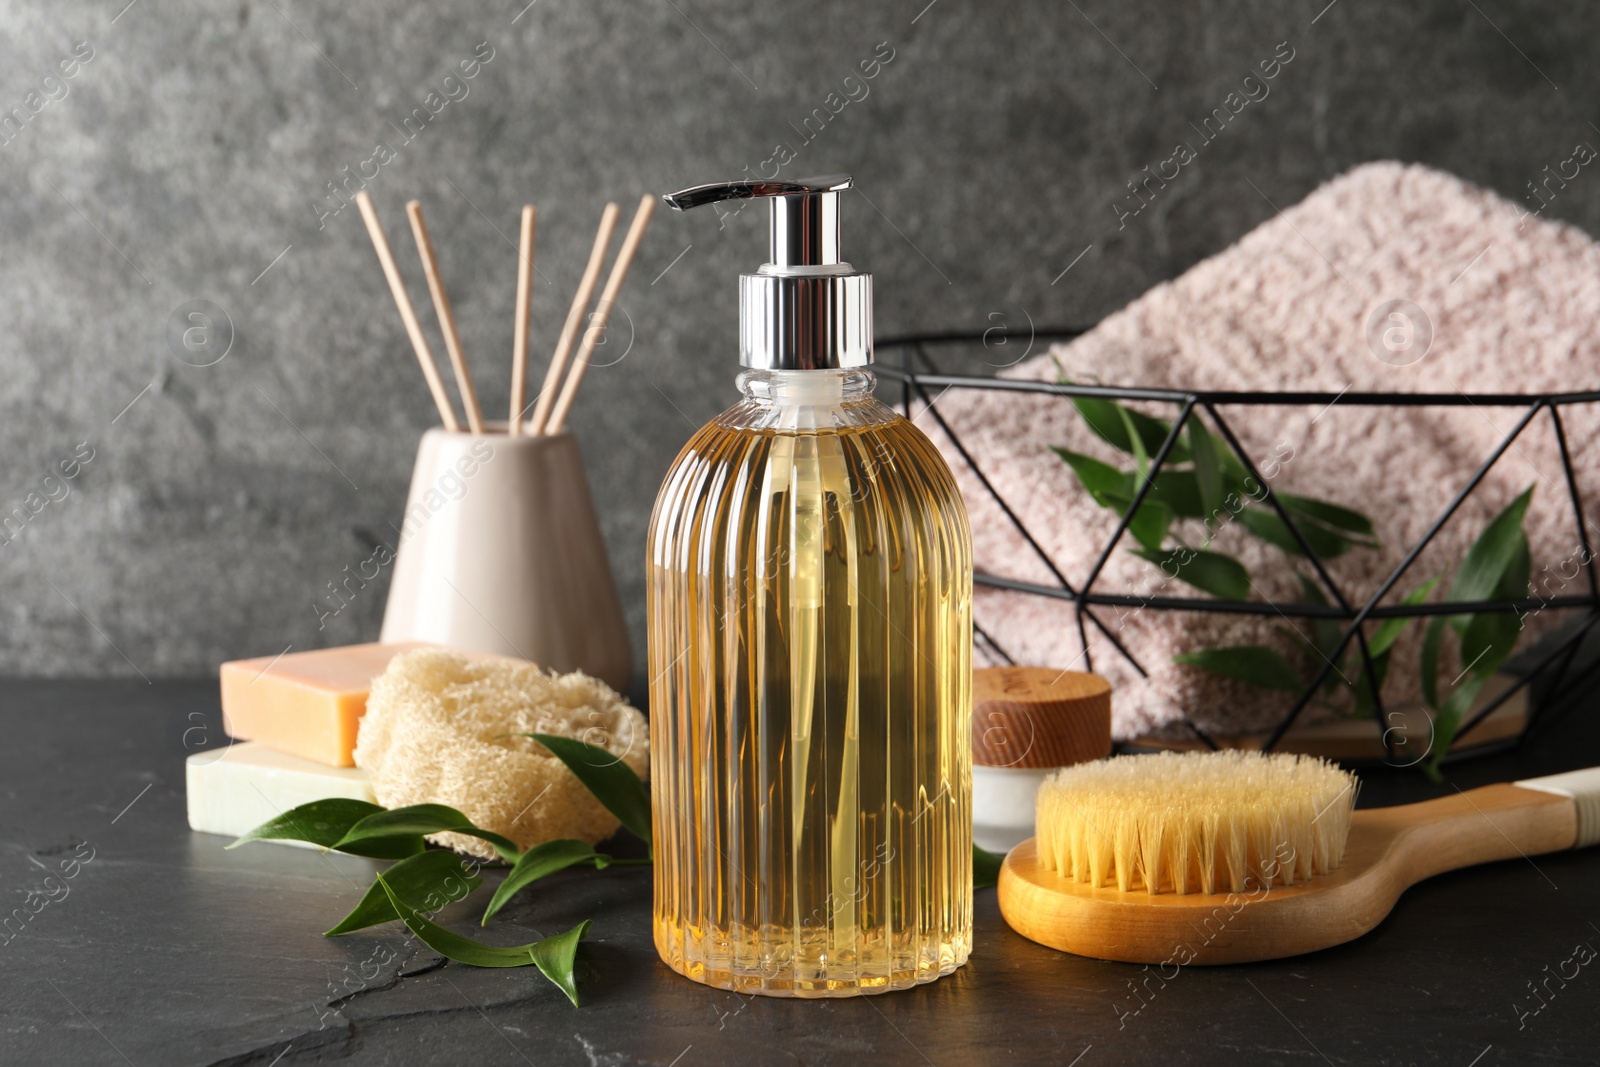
column 1195, row 822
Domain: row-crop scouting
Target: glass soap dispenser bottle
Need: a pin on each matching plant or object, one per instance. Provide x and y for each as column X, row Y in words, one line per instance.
column 810, row 624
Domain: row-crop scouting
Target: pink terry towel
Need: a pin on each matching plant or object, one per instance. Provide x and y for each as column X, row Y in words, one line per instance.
column 1511, row 302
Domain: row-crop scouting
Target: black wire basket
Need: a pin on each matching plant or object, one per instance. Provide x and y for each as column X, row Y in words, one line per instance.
column 1555, row 664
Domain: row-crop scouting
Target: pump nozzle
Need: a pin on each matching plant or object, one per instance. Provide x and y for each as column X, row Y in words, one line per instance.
column 806, row 309
column 805, row 214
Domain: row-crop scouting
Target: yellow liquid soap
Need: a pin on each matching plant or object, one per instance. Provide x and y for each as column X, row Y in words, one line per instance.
column 810, row 590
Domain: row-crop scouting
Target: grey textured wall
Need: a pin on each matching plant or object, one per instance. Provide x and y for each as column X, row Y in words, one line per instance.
column 186, row 157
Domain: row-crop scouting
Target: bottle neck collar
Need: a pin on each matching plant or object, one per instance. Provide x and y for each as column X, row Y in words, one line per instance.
column 805, row 387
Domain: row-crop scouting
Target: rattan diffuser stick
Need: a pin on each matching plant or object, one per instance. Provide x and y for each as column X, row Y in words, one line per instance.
column 519, row 332
column 569, row 330
column 608, row 300
column 447, row 318
column 408, row 314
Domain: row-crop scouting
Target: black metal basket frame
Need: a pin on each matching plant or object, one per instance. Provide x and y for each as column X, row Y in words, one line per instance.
column 917, row 386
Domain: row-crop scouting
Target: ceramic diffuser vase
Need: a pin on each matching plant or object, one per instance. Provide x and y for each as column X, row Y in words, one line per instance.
column 500, row 551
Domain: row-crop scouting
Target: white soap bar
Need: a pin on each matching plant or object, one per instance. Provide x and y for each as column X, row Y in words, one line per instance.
column 235, row 789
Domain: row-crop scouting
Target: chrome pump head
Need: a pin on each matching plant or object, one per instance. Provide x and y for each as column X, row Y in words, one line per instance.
column 805, row 309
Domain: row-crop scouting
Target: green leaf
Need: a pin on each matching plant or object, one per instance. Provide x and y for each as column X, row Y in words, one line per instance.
column 553, row 955
column 427, row 882
column 1449, row 718
column 1114, row 489
column 1328, row 514
column 1234, row 473
column 325, row 822
column 1365, row 691
column 985, row 867
column 1256, row 664
column 1514, row 583
column 548, row 858
column 1381, row 644
column 1431, row 639
column 1141, row 452
column 1106, row 419
column 1489, row 639
column 1493, row 558
column 1178, row 490
column 1265, row 524
column 418, row 819
column 1208, row 473
column 321, row 822
column 410, row 819
column 1496, row 567
column 1389, row 630
column 612, row 782
column 1325, row 634
column 1210, row 572
column 1150, row 523
column 1109, row 487
column 1490, row 636
column 1294, row 637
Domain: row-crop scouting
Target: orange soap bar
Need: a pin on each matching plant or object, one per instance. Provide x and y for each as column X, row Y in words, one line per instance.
column 307, row 704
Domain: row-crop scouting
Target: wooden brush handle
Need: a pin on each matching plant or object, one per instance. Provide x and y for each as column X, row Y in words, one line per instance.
column 1583, row 788
column 1496, row 822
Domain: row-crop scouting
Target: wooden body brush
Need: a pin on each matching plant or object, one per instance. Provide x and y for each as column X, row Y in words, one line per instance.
column 1254, row 857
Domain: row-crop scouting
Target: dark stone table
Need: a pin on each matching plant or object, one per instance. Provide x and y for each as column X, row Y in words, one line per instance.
column 168, row 950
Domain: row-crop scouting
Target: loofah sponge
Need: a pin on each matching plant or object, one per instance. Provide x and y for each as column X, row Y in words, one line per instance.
column 435, row 732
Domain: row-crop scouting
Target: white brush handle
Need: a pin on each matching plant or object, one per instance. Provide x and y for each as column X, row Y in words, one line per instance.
column 1583, row 787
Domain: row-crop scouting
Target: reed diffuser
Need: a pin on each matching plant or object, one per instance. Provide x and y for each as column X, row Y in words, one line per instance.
column 500, row 549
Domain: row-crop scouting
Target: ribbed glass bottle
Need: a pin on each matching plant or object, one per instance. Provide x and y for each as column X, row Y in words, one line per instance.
column 810, row 590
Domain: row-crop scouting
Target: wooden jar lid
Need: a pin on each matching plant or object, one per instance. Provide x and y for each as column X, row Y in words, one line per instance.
column 1039, row 717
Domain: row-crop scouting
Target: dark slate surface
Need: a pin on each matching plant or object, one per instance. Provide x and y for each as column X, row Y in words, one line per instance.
column 168, row 950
